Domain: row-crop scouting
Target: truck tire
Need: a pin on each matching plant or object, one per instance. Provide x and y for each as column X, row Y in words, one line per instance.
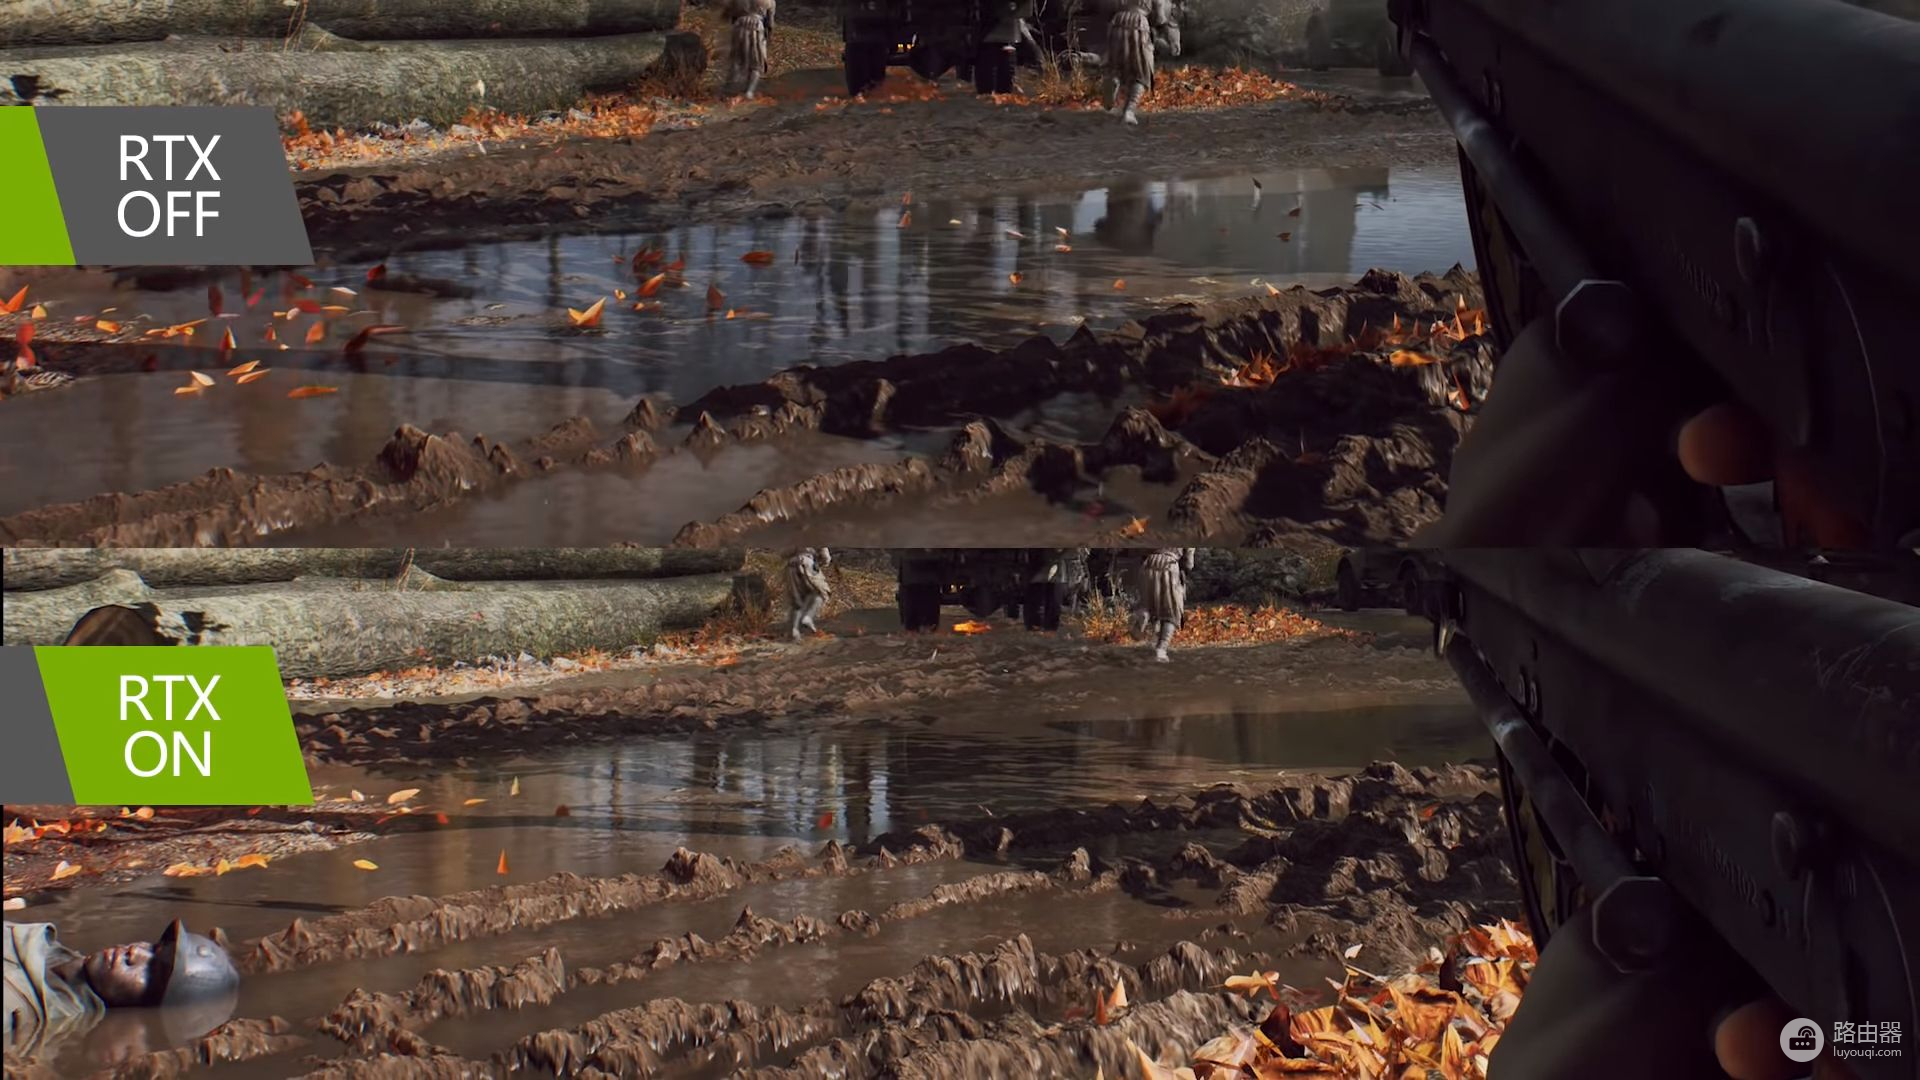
column 1387, row 58
column 1319, row 44
column 1346, row 587
column 866, row 66
column 1043, row 605
column 919, row 607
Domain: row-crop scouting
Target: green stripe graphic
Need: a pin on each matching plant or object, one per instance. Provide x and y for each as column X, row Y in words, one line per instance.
column 36, row 232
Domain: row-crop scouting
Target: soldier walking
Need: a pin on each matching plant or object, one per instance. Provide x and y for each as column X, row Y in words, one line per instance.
column 751, row 24
column 1163, row 594
column 807, row 589
column 1137, row 27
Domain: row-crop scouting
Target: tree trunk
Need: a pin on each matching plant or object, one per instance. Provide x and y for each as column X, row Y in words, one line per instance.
column 172, row 568
column 336, row 628
column 102, row 22
column 439, row 82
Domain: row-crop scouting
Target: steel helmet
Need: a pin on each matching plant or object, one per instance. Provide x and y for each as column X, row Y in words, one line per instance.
column 189, row 968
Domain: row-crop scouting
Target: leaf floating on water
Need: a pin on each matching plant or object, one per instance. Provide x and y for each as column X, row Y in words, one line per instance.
column 619, row 294
column 366, row 864
column 313, row 391
column 203, row 380
column 257, row 373
column 402, row 795
column 825, row 821
column 515, row 789
column 227, row 343
column 1119, row 283
column 473, row 802
column 184, row 390
column 359, row 340
column 715, row 298
column 502, row 868
column 589, row 317
column 1015, row 278
column 652, row 284
column 65, row 870
column 311, row 307
column 758, row 258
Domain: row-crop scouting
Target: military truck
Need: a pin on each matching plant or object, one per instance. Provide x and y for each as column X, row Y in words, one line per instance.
column 932, row 37
column 1354, row 33
column 1033, row 584
column 1369, row 576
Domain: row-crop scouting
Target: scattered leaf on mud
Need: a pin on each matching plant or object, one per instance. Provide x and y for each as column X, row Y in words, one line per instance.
column 39, row 312
column 589, row 317
column 183, row 391
column 356, row 796
column 758, row 258
column 1015, row 278
column 906, row 199
column 316, row 333
column 1016, row 234
column 1118, row 999
column 343, row 291
column 473, row 802
column 257, row 373
column 15, row 903
column 311, row 307
column 13, row 302
column 203, row 380
column 906, row 219
column 441, row 819
column 1119, row 283
column 1134, row 527
column 312, row 391
column 402, row 795
column 145, row 813
column 366, row 864
column 515, row 789
column 243, row 368
column 619, row 294
column 1352, row 951
column 106, row 326
column 502, row 868
column 252, row 859
column 186, row 869
column 65, row 870
column 221, row 868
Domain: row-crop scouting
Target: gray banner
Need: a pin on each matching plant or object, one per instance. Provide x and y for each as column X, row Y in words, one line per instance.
column 174, row 186
column 32, row 770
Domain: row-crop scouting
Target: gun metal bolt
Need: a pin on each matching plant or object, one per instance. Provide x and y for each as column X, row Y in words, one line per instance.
column 1790, row 845
column 1750, row 251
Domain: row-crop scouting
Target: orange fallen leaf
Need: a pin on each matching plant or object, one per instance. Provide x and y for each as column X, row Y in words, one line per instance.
column 271, row 335
column 440, row 819
column 312, row 391
column 1271, row 291
column 1286, row 236
column 311, row 307
column 13, row 302
column 227, row 344
column 145, row 813
column 1134, row 527
column 335, row 309
column 678, row 264
column 715, row 298
column 182, row 390
column 203, row 380
column 502, row 868
column 402, row 795
column 563, row 810
column 619, row 294
column 366, row 864
column 652, row 285
column 906, row 219
column 39, row 312
column 515, row 789
column 106, row 326
column 215, row 304
column 375, row 273
column 253, row 298
column 758, row 258
column 65, row 870
column 473, row 802
column 825, row 821
column 906, row 199
column 589, row 317
column 1015, row 278
column 257, row 373
column 1120, row 283
column 221, row 868
column 186, row 869
column 253, row 859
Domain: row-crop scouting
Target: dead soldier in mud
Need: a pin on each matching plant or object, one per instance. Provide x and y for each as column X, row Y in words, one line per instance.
column 1138, row 27
column 750, row 26
column 184, row 981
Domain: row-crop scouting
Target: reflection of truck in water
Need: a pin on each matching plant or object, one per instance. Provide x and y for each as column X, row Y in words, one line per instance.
column 932, row 37
column 1368, row 577
column 1354, row 33
column 1034, row 584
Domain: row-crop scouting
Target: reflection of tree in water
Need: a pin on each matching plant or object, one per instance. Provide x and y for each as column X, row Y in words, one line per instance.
column 1131, row 219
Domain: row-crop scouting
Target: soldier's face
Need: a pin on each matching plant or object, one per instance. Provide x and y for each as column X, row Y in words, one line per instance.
column 119, row 975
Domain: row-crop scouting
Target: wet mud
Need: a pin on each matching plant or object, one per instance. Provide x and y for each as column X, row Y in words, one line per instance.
column 1332, row 432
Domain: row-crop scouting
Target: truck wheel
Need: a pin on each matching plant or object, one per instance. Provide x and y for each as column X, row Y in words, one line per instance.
column 982, row 602
column 1346, row 590
column 1319, row 44
column 919, row 607
column 866, row 66
column 1387, row 56
column 1410, row 590
column 1043, row 605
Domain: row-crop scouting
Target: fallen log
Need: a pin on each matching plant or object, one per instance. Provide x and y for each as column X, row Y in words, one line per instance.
column 103, row 22
column 437, row 81
column 333, row 628
column 172, row 568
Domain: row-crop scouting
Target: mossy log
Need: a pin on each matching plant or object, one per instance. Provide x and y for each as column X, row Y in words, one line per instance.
column 333, row 628
column 103, row 22
column 172, row 568
column 340, row 87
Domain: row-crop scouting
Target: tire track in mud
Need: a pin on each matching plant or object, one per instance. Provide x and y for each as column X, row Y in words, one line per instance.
column 1388, row 858
column 1371, row 438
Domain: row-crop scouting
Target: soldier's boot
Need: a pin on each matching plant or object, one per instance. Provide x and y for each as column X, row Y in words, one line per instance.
column 1162, row 641
column 794, row 624
column 753, row 86
column 1135, row 92
column 811, row 612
